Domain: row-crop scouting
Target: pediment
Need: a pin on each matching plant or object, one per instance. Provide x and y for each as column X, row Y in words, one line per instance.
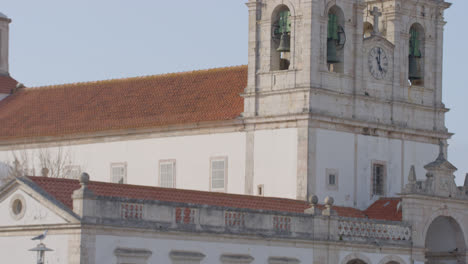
column 378, row 41
column 23, row 206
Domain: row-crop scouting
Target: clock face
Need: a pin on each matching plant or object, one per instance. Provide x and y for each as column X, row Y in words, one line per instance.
column 378, row 63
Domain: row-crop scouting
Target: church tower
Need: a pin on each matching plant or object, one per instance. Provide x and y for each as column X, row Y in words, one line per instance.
column 359, row 80
column 4, row 39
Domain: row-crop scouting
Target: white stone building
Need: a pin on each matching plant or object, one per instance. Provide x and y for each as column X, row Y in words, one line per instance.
column 340, row 98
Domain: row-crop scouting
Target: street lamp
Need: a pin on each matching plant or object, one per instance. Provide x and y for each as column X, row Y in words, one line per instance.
column 40, row 249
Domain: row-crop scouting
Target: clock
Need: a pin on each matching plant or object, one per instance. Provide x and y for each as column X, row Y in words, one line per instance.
column 378, row 63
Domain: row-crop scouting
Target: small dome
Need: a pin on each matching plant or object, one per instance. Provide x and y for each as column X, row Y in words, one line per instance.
column 3, row 15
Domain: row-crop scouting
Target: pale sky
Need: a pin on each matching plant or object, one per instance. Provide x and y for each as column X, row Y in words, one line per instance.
column 57, row 41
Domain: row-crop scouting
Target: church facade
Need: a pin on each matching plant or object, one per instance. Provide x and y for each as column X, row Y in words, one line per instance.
column 359, row 81
column 341, row 102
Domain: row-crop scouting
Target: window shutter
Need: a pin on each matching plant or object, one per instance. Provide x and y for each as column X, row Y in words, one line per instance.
column 218, row 174
column 166, row 172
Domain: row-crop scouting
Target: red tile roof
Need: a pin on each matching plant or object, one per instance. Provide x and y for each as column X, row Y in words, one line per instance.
column 6, row 84
column 62, row 189
column 385, row 209
column 143, row 102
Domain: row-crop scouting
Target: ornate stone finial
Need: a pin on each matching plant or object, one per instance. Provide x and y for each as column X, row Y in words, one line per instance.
column 412, row 175
column 84, row 191
column 466, row 181
column 45, row 172
column 376, row 14
column 84, row 179
column 328, row 206
column 313, row 201
column 441, row 151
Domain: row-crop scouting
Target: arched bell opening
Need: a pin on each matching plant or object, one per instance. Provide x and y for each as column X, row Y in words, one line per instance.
column 445, row 243
column 368, row 28
column 416, row 55
column 281, row 39
column 356, row 261
column 336, row 39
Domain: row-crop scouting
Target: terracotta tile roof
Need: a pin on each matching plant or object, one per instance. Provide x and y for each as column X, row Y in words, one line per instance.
column 62, row 190
column 385, row 209
column 6, row 84
column 143, row 102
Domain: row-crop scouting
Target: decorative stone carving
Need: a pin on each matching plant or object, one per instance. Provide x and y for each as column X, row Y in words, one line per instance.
column 440, row 180
column 328, row 206
column 313, row 201
column 355, row 230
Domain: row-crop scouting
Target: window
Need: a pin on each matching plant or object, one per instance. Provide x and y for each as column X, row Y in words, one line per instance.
column 378, row 179
column 281, row 39
column 336, row 39
column 416, row 55
column 218, row 174
column 331, row 179
column 167, row 174
column 72, row 172
column 261, row 190
column 119, row 173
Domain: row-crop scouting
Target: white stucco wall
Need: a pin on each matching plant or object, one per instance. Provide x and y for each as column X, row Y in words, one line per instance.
column 275, row 167
column 212, row 248
column 35, row 213
column 15, row 249
column 191, row 153
column 352, row 156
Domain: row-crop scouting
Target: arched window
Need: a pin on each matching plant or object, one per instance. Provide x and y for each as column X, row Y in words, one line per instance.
column 368, row 28
column 336, row 40
column 281, row 39
column 416, row 55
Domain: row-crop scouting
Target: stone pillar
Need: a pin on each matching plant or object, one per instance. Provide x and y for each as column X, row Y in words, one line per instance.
column 4, row 41
column 84, row 199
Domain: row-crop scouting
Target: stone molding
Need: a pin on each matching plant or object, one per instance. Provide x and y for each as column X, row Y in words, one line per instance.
column 355, row 256
column 186, row 257
column 236, row 259
column 282, row 260
column 132, row 255
column 390, row 258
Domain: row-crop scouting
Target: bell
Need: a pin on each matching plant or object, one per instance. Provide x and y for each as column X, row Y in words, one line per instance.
column 331, row 52
column 414, row 73
column 285, row 43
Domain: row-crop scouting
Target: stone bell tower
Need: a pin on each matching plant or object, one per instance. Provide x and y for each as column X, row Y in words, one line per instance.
column 4, row 41
column 360, row 81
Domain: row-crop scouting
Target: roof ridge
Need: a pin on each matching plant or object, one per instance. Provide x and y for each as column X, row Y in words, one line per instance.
column 161, row 75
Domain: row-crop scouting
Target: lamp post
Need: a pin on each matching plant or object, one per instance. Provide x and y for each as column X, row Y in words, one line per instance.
column 40, row 249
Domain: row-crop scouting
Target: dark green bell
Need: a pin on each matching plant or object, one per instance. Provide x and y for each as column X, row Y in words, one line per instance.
column 332, row 57
column 414, row 73
column 285, row 43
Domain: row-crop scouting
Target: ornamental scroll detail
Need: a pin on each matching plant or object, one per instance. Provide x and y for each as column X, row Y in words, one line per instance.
column 363, row 230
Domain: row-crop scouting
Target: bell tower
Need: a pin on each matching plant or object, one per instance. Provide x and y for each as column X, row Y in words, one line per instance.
column 357, row 84
column 4, row 41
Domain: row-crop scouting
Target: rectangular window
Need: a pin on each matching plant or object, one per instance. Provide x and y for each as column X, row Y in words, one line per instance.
column 378, row 179
column 119, row 173
column 331, row 179
column 167, row 174
column 72, row 171
column 218, row 174
column 261, row 190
